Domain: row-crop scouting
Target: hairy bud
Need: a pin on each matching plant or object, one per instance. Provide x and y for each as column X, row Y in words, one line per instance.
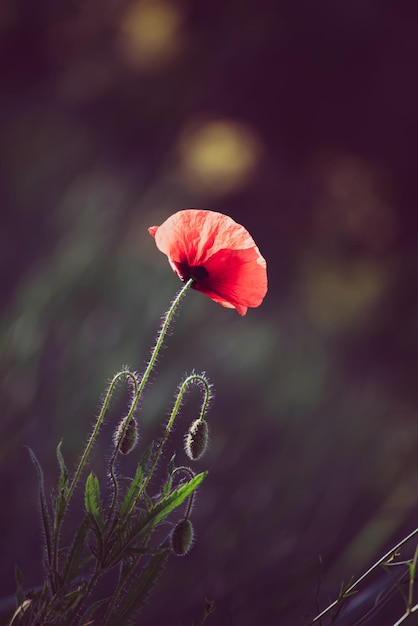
column 127, row 439
column 196, row 440
column 182, row 537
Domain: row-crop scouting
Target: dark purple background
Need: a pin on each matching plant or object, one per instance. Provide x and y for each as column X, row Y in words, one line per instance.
column 314, row 425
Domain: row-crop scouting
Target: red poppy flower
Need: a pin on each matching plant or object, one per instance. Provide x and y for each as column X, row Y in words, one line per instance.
column 218, row 253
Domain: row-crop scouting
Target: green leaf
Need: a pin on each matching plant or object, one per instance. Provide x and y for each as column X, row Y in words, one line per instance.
column 168, row 485
column 94, row 512
column 128, row 503
column 138, row 593
column 60, row 495
column 71, row 600
column 73, row 563
column 85, row 619
column 173, row 500
column 63, row 478
column 44, row 508
column 146, row 521
column 131, row 497
column 92, row 498
column 170, row 466
column 169, row 482
column 164, row 507
column 146, row 457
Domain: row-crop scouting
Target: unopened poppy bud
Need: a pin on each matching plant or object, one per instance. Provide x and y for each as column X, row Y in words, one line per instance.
column 196, row 440
column 126, row 435
column 182, row 537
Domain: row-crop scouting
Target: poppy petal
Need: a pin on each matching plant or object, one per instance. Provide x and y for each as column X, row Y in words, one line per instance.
column 197, row 234
column 237, row 277
column 219, row 253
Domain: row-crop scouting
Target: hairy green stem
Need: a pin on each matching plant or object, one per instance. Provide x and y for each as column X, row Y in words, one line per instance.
column 193, row 378
column 154, row 355
column 86, row 453
column 98, row 425
column 138, row 389
column 184, row 468
column 161, row 336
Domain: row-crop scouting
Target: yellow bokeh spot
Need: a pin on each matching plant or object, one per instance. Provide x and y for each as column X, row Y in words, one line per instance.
column 217, row 156
column 150, row 33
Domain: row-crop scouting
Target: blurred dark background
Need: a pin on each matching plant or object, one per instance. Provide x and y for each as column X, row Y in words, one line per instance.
column 298, row 119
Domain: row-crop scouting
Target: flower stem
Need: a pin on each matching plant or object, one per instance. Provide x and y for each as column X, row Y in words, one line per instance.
column 137, row 388
column 192, row 378
column 99, row 422
column 183, row 468
column 154, row 355
column 59, row 518
column 161, row 336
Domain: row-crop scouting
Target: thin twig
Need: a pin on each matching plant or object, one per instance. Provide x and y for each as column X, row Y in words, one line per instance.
column 371, row 569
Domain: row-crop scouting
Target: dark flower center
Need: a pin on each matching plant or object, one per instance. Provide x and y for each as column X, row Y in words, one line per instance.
column 197, row 273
